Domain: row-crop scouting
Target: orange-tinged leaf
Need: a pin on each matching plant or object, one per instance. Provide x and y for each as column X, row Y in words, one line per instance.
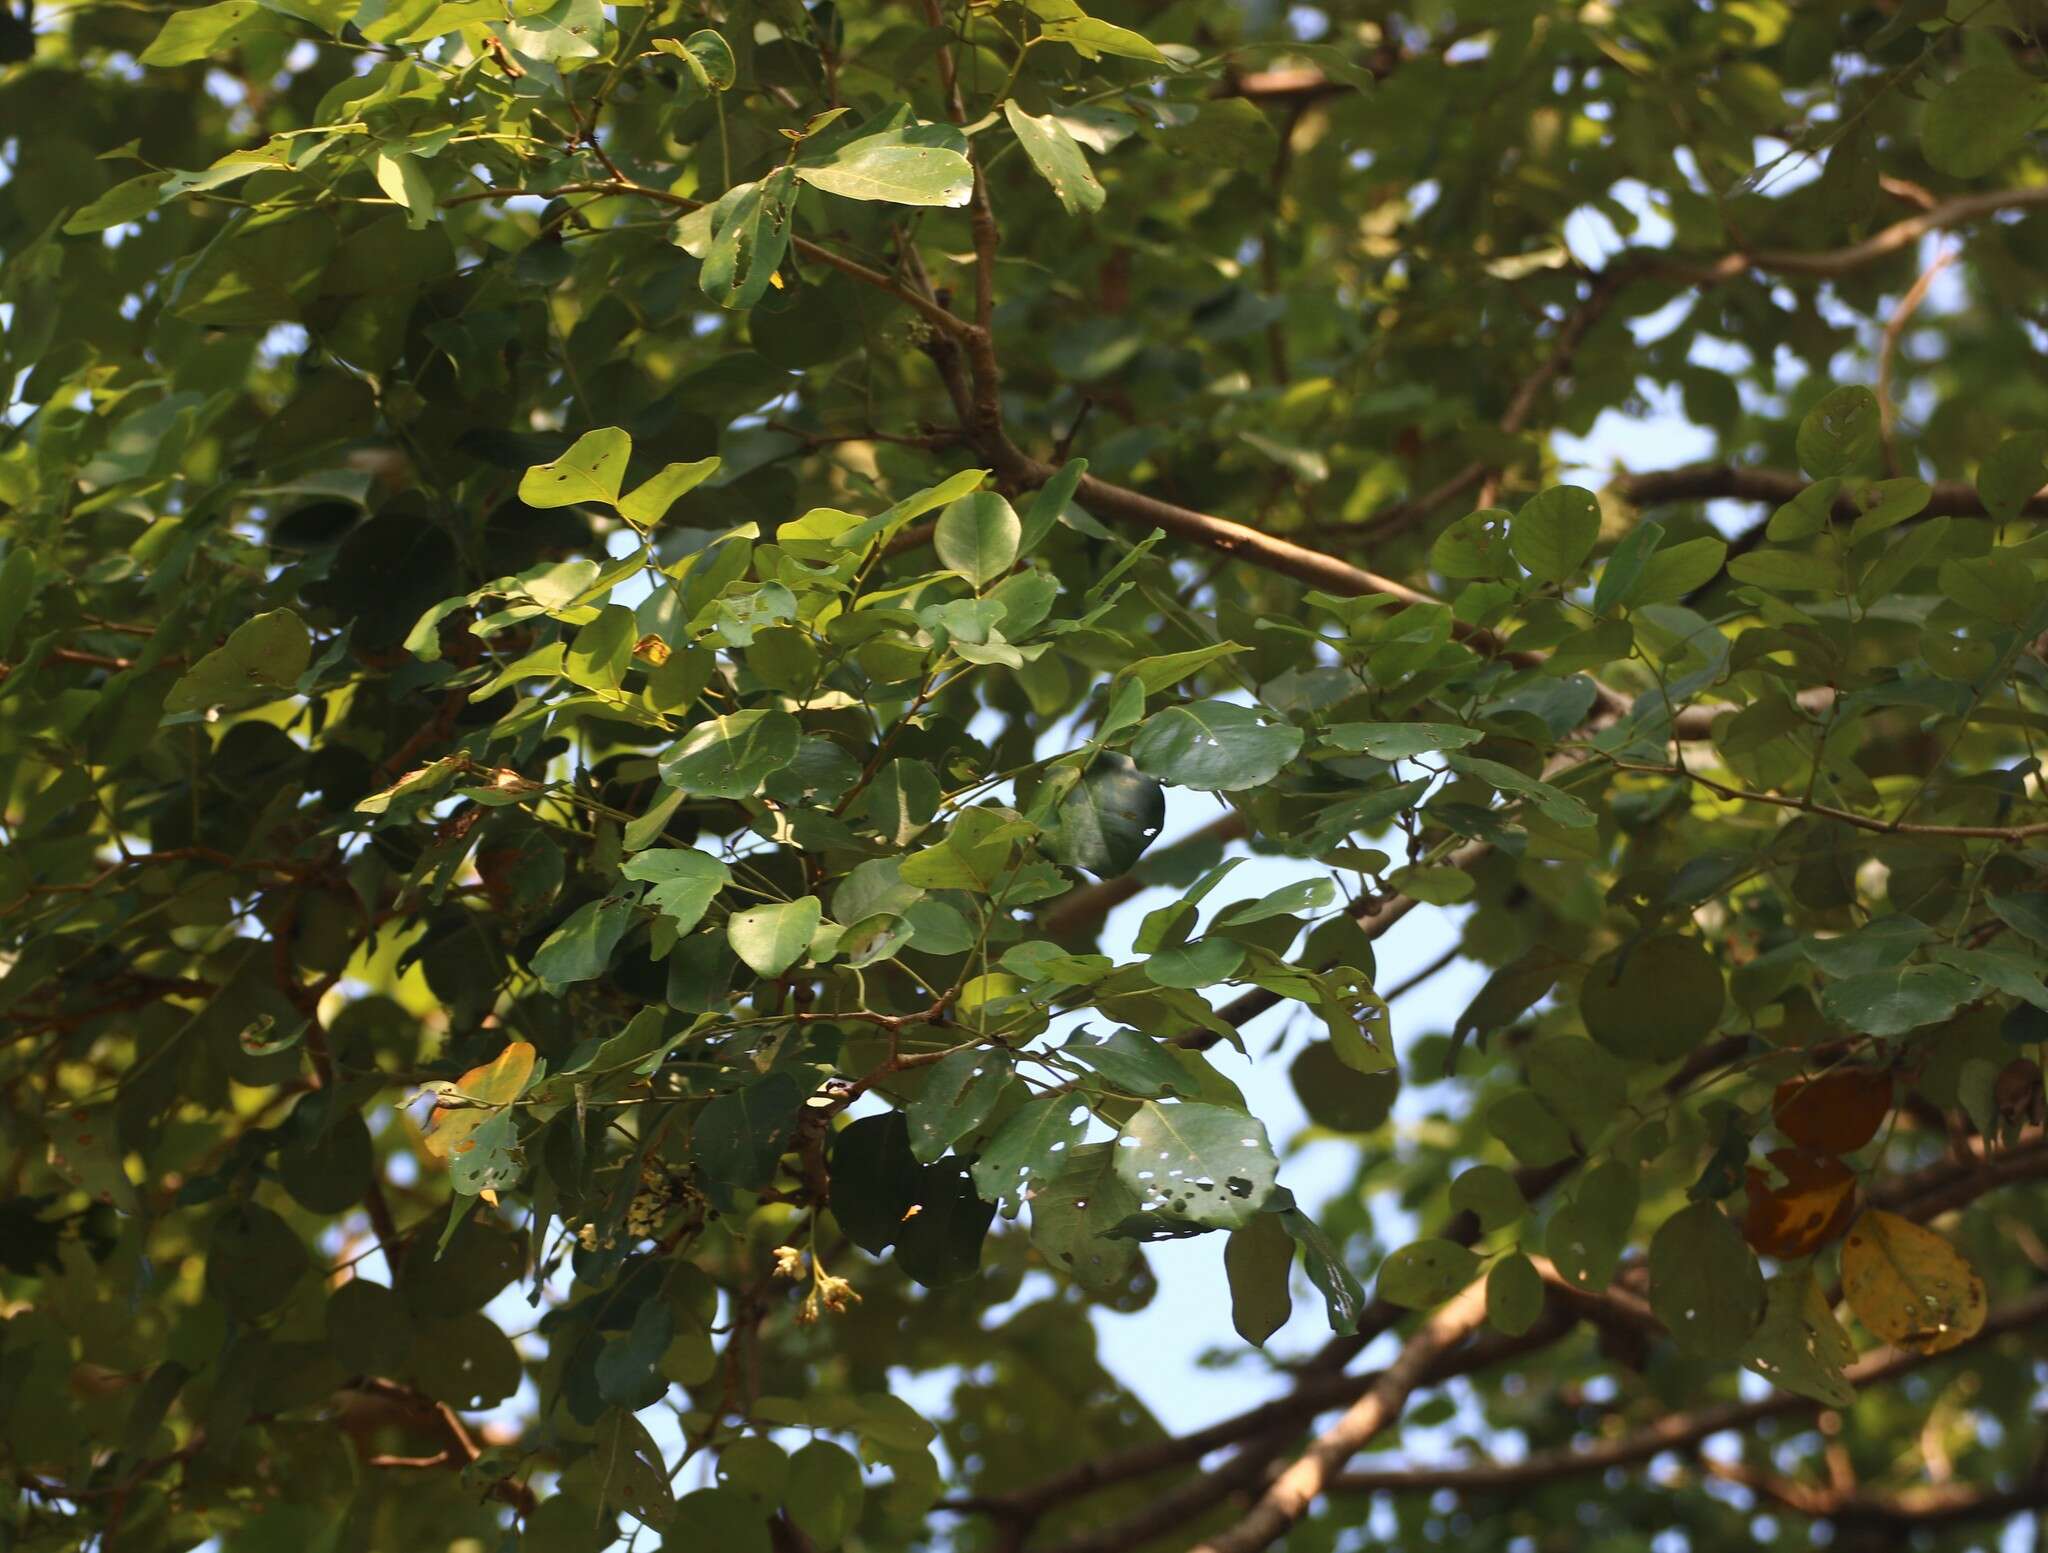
column 1810, row 1209
column 1836, row 1113
column 495, row 1084
column 1909, row 1286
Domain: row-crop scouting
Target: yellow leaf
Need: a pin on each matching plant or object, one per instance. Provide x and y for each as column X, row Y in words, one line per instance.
column 1909, row 1286
column 492, row 1086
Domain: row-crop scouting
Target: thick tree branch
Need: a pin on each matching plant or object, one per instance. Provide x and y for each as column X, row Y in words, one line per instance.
column 1713, row 482
column 1288, row 1499
column 1931, row 1504
column 1675, row 1431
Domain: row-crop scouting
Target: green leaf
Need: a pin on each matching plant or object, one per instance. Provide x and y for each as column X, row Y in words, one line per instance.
column 939, row 1243
column 1799, row 1346
column 1343, row 1298
column 129, row 200
column 1401, row 741
column 724, row 1518
column 977, row 537
column 1625, row 567
column 1031, row 1148
column 1133, row 1063
column 189, row 36
column 591, row 471
column 253, row 1260
column 2010, row 476
column 1556, row 804
column 581, row 948
column 1675, row 571
column 1214, row 746
column 1554, row 533
column 685, row 882
column 629, row 1369
column 706, row 58
column 1786, row 571
column 977, row 848
column 1165, row 670
column 770, row 939
column 1990, row 586
column 601, row 651
column 1514, row 1295
column 911, row 164
column 1982, row 118
column 400, row 175
column 1531, row 1132
column 1804, row 515
column 260, row 661
column 1058, row 158
column 1199, row 964
column 1653, row 1001
column 957, row 1098
column 1704, row 1283
column 730, row 757
column 1426, row 1273
column 1490, row 1195
column 875, row 1179
column 628, row 1467
column 1838, row 433
column 2026, row 915
column 1888, row 1003
column 749, row 235
column 1887, row 503
column 648, row 503
column 823, row 1493
column 1073, row 1214
column 1112, row 815
column 1196, row 1166
column 1064, row 23
column 1587, row 1236
column 741, row 1134
column 565, row 30
column 1258, row 1260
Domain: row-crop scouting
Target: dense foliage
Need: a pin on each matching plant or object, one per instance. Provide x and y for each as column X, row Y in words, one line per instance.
column 598, row 603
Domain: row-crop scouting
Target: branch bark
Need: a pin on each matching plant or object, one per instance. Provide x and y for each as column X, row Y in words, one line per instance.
column 1713, row 482
column 1288, row 1499
column 1675, row 1431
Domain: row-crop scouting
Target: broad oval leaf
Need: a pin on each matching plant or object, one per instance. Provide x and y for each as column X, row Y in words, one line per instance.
column 1214, row 746
column 1196, row 1166
column 1909, row 1286
column 731, row 756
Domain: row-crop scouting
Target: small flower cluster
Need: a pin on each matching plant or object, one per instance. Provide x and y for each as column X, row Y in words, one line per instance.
column 660, row 1191
column 827, row 1292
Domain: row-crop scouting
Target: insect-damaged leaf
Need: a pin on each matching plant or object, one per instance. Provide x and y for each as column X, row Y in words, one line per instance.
column 1194, row 1167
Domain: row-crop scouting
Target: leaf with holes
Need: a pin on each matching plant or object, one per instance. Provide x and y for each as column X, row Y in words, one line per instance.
column 1909, row 1286
column 1031, row 1148
column 1058, row 157
column 1799, row 1346
column 957, row 1098
column 1196, row 1167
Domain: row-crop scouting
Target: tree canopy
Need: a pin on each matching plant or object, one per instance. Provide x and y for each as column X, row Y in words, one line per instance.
column 599, row 603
